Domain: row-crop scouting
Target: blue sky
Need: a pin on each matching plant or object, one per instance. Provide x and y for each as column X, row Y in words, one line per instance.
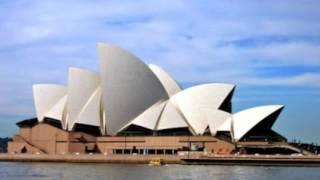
column 269, row 49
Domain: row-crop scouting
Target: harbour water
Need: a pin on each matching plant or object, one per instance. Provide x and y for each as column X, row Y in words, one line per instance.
column 57, row 171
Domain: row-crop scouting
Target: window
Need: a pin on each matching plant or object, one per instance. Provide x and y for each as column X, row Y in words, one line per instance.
column 160, row 151
column 127, row 151
column 117, row 151
column 151, row 151
column 168, row 151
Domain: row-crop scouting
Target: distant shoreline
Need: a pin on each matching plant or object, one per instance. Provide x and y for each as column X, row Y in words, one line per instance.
column 252, row 160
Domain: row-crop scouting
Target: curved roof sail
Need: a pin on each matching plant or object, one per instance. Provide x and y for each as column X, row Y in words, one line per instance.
column 58, row 111
column 194, row 102
column 226, row 125
column 171, row 118
column 149, row 118
column 46, row 97
column 217, row 119
column 129, row 86
column 81, row 86
column 170, row 85
column 244, row 121
column 90, row 114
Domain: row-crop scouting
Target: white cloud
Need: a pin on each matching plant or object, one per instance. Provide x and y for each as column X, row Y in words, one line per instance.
column 40, row 39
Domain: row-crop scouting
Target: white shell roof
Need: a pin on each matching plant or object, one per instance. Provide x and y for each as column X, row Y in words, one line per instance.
column 226, row 126
column 129, row 86
column 46, row 96
column 169, row 84
column 128, row 92
column 81, row 86
column 216, row 120
column 58, row 111
column 171, row 118
column 149, row 118
column 194, row 102
column 90, row 114
column 244, row 121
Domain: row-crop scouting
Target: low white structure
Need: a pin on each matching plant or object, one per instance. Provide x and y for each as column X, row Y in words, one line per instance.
column 128, row 93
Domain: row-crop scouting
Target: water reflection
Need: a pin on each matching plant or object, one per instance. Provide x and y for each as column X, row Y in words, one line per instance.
column 59, row 171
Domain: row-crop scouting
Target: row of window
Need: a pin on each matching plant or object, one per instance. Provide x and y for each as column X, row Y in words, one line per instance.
column 146, row 151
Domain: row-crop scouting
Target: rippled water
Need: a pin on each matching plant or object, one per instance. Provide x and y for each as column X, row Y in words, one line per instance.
column 143, row 172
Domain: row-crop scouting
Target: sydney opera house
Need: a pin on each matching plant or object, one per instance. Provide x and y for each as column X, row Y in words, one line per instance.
column 130, row 107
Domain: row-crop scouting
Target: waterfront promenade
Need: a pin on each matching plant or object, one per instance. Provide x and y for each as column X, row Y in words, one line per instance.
column 87, row 158
column 168, row 159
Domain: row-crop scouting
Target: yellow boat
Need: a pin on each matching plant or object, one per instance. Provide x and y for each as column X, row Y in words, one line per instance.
column 156, row 162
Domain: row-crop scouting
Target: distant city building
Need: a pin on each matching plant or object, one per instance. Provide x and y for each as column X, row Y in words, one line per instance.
column 131, row 107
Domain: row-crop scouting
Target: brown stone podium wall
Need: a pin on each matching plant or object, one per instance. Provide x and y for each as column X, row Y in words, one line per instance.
column 208, row 143
column 46, row 139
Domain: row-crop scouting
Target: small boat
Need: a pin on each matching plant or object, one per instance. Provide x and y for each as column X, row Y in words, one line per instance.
column 156, row 162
